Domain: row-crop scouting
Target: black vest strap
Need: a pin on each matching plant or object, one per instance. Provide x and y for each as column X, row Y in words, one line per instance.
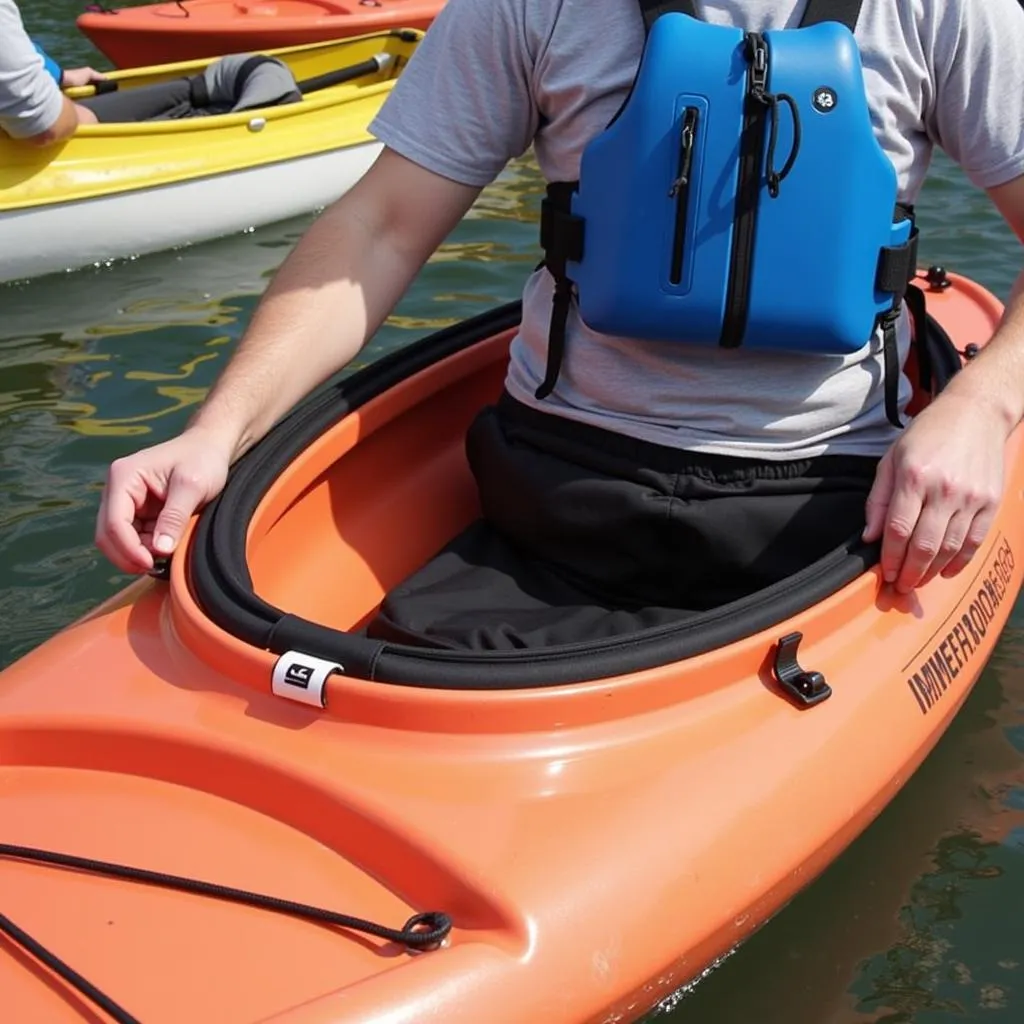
column 891, row 368
column 561, row 237
column 846, row 12
column 897, row 267
column 652, row 10
column 938, row 359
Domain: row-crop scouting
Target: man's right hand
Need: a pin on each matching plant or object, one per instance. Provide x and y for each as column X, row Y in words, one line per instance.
column 149, row 497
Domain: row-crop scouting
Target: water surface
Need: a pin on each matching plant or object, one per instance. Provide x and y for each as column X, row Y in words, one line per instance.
column 918, row 923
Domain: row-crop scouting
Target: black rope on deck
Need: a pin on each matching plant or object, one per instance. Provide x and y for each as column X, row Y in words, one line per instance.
column 421, row 932
column 69, row 974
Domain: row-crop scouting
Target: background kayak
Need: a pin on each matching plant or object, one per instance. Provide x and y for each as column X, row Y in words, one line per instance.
column 116, row 190
column 160, row 33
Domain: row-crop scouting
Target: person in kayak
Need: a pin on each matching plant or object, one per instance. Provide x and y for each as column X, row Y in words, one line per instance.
column 239, row 81
column 32, row 106
column 653, row 469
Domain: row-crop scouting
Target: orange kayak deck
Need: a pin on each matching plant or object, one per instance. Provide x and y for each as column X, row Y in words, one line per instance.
column 166, row 33
column 595, row 844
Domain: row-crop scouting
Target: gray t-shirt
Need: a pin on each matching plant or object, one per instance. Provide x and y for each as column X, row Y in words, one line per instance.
column 30, row 101
column 493, row 77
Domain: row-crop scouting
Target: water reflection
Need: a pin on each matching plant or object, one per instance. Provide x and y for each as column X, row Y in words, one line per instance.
column 917, row 923
column 97, row 362
column 927, row 970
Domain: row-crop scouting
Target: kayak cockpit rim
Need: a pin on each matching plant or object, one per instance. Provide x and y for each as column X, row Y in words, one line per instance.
column 222, row 585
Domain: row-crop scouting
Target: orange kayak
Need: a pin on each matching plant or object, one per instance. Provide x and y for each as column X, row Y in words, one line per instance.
column 560, row 835
column 165, row 33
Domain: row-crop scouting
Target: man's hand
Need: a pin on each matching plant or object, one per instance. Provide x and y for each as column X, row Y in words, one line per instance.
column 936, row 491
column 150, row 496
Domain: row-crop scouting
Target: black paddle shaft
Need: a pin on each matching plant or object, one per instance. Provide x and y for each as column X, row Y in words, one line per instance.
column 377, row 62
column 367, row 67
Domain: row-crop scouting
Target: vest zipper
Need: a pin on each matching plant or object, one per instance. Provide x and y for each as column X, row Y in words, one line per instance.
column 737, row 300
column 680, row 191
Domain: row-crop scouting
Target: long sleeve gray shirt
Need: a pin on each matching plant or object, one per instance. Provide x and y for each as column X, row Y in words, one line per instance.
column 30, row 101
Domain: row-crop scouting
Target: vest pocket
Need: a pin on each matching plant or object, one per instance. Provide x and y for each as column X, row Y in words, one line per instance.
column 680, row 190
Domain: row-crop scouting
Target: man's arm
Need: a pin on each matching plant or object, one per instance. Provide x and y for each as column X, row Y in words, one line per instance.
column 448, row 127
column 938, row 488
column 996, row 375
column 327, row 299
column 332, row 293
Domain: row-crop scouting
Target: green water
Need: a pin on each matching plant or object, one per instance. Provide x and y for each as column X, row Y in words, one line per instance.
column 918, row 923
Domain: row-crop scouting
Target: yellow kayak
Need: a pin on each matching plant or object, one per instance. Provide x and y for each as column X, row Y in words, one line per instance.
column 117, row 190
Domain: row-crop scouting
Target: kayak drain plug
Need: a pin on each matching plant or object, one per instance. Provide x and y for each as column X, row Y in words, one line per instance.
column 807, row 688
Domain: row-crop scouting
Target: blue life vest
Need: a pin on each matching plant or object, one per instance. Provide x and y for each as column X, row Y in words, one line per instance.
column 738, row 198
column 53, row 69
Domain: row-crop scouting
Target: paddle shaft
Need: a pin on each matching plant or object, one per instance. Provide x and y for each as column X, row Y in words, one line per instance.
column 376, row 63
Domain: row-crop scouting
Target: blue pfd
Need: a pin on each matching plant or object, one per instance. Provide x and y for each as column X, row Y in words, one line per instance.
column 53, row 69
column 738, row 198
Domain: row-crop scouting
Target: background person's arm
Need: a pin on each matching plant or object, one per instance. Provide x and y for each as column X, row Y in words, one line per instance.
column 32, row 107
column 68, row 120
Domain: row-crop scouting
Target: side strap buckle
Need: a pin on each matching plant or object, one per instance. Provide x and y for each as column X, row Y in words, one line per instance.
column 897, row 264
column 561, row 236
column 897, row 267
column 891, row 366
column 556, row 336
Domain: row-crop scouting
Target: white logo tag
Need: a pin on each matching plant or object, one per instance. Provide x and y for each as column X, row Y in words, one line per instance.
column 302, row 677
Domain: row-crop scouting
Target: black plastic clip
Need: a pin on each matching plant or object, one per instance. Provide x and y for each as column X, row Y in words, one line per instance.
column 161, row 568
column 808, row 688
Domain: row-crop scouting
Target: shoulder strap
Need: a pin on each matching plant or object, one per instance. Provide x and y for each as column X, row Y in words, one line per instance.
column 846, row 12
column 652, row 10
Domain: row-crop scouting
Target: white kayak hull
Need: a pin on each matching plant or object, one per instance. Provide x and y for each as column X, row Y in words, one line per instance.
column 58, row 237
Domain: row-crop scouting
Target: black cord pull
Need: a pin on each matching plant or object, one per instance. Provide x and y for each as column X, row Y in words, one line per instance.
column 758, row 55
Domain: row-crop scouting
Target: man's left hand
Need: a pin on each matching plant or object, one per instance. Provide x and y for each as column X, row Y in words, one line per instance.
column 936, row 491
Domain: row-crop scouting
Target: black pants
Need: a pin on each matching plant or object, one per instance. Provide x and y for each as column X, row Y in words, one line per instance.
column 587, row 533
column 165, row 101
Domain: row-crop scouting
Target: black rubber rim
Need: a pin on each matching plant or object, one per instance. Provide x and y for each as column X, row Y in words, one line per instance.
column 223, row 587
